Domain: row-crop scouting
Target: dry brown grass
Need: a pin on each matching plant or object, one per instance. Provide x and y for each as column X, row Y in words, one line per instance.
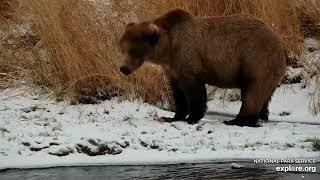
column 82, row 44
column 19, row 62
column 6, row 8
column 81, row 39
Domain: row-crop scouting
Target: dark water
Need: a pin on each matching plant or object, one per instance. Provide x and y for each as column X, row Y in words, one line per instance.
column 217, row 170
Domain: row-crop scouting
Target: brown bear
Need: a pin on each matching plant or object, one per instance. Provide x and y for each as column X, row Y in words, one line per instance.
column 228, row 52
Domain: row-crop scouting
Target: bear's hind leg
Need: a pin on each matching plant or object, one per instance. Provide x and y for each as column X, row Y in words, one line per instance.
column 181, row 104
column 264, row 113
column 253, row 99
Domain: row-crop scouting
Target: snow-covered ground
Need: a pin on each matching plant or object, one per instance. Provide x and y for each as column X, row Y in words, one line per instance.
column 290, row 103
column 36, row 131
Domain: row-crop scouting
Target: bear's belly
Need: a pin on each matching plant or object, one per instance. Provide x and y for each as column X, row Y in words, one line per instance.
column 223, row 81
column 224, row 84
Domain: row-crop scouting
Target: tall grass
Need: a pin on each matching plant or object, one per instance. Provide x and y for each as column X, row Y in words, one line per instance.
column 82, row 44
column 19, row 63
column 7, row 8
column 81, row 39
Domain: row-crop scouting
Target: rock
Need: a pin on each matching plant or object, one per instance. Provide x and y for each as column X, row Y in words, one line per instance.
column 284, row 113
column 26, row 143
column 64, row 151
column 38, row 148
column 97, row 148
column 236, row 166
column 4, row 130
column 29, row 109
column 144, row 144
column 199, row 127
column 54, row 144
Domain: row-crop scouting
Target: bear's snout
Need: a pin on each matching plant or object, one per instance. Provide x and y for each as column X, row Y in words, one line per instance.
column 125, row 70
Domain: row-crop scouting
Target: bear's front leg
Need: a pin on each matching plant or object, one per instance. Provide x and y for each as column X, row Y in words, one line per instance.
column 196, row 94
column 181, row 104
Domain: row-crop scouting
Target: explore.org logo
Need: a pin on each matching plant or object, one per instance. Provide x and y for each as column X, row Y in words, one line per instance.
column 291, row 168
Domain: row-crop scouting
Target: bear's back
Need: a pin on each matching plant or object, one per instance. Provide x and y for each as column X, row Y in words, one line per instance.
column 235, row 44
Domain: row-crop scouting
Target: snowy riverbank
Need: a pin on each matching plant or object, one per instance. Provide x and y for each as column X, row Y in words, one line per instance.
column 36, row 131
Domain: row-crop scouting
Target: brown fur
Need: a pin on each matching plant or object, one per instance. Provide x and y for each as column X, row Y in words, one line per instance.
column 228, row 52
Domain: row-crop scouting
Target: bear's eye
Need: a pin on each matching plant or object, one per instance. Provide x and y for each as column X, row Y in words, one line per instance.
column 153, row 38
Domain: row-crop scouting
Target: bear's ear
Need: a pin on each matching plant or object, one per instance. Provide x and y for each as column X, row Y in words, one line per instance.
column 154, row 35
column 130, row 24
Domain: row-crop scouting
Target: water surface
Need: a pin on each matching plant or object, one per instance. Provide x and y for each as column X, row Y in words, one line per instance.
column 215, row 170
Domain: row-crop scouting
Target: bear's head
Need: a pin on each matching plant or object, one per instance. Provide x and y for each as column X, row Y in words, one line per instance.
column 139, row 43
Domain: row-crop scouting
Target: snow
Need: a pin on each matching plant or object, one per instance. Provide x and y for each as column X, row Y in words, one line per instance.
column 290, row 103
column 312, row 43
column 36, row 131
